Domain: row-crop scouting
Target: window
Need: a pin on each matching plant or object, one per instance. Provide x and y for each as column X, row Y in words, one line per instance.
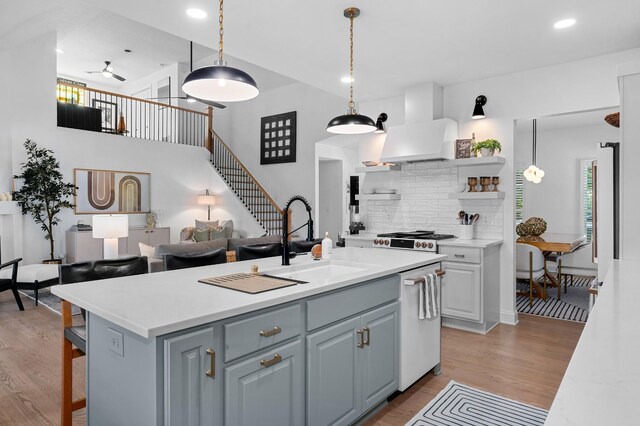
column 586, row 197
column 519, row 196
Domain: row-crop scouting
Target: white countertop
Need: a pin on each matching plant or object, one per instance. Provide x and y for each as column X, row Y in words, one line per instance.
column 154, row 304
column 602, row 383
column 366, row 236
column 478, row 243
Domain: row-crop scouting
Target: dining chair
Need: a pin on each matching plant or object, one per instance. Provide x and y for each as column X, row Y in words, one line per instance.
column 12, row 283
column 258, row 251
column 77, row 335
column 573, row 263
column 302, row 246
column 530, row 265
column 182, row 261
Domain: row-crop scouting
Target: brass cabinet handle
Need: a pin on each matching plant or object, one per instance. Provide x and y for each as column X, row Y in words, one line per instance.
column 276, row 359
column 366, row 339
column 360, row 340
column 212, row 373
column 275, row 330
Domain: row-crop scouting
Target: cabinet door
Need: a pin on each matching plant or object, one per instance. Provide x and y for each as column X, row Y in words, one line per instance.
column 192, row 382
column 333, row 375
column 158, row 236
column 462, row 291
column 136, row 236
column 380, row 359
column 266, row 390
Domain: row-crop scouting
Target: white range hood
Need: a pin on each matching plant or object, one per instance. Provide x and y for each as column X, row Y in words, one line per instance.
column 425, row 136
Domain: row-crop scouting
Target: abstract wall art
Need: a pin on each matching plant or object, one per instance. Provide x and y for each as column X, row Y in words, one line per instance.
column 110, row 191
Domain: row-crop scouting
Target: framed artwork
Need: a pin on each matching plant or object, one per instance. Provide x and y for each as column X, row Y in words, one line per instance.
column 463, row 148
column 110, row 192
column 109, row 114
column 278, row 138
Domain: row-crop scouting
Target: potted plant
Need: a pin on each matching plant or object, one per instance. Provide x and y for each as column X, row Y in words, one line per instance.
column 487, row 148
column 43, row 192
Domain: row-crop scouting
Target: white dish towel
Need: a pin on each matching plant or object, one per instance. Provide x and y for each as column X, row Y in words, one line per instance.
column 428, row 306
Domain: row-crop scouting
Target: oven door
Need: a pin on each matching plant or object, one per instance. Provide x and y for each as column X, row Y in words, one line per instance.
column 419, row 339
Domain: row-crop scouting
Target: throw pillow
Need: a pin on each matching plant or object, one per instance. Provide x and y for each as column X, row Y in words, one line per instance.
column 217, row 233
column 228, row 226
column 201, row 234
column 186, row 234
column 206, row 224
column 146, row 250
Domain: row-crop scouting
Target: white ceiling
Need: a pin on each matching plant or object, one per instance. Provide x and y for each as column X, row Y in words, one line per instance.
column 401, row 42
column 398, row 43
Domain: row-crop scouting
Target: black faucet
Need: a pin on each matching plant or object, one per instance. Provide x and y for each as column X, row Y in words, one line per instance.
column 285, row 227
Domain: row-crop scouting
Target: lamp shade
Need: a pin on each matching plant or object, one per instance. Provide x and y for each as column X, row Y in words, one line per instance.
column 220, row 83
column 206, row 200
column 478, row 111
column 351, row 124
column 110, row 226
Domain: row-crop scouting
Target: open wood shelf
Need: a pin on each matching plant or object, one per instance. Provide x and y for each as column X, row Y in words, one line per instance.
column 378, row 197
column 477, row 161
column 377, row 169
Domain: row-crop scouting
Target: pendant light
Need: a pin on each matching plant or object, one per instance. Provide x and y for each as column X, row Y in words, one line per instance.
column 533, row 173
column 220, row 82
column 351, row 123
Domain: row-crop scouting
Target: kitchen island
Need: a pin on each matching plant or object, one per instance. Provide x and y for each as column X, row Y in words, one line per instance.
column 166, row 349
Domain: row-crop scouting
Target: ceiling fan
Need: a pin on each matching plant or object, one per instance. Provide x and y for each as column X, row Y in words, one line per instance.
column 107, row 72
column 188, row 98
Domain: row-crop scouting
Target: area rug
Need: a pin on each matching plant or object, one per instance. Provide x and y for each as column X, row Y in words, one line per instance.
column 458, row 404
column 49, row 300
column 572, row 306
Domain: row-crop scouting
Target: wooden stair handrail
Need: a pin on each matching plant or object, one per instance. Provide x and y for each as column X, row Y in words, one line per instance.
column 262, row 190
column 118, row 95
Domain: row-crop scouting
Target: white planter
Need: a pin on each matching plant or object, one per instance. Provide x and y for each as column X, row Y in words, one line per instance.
column 486, row 152
column 465, row 232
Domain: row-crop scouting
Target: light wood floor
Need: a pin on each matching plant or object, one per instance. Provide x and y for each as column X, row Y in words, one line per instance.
column 525, row 363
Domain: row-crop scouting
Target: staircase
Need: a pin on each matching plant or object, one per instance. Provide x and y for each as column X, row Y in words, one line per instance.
column 245, row 186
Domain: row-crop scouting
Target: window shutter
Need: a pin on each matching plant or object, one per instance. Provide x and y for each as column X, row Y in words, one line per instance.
column 586, row 193
column 519, row 196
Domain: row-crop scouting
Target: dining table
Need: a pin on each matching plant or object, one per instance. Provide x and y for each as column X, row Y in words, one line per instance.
column 553, row 245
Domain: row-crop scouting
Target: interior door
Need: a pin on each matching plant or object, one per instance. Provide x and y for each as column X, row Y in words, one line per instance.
column 603, row 228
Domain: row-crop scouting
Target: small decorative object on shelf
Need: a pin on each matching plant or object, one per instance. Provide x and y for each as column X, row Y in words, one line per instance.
column 495, row 181
column 6, row 196
column 473, row 182
column 463, row 148
column 485, row 181
column 488, row 147
column 474, row 153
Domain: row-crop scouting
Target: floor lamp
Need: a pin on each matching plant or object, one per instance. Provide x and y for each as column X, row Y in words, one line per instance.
column 110, row 228
column 207, row 200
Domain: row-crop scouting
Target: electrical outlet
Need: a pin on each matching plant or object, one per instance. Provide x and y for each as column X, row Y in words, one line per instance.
column 486, row 220
column 116, row 342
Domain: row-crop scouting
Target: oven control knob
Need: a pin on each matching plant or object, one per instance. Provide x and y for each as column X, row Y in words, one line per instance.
column 424, row 245
column 417, row 245
column 375, row 242
column 430, row 245
column 386, row 242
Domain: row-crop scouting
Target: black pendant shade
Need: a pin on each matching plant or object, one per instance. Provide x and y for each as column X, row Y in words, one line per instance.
column 351, row 124
column 220, row 83
column 478, row 112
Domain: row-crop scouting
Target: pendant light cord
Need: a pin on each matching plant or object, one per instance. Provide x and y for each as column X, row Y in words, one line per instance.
column 351, row 104
column 535, row 139
column 221, row 43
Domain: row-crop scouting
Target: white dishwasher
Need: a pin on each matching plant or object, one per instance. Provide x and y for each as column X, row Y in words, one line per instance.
column 419, row 338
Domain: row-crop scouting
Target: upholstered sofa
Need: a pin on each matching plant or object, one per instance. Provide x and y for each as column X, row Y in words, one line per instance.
column 230, row 244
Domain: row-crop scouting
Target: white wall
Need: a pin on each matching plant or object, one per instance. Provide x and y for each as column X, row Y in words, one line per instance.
column 5, row 129
column 178, row 173
column 557, row 199
column 574, row 86
column 314, row 110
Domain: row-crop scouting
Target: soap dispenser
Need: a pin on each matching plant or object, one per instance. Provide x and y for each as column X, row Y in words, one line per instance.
column 327, row 247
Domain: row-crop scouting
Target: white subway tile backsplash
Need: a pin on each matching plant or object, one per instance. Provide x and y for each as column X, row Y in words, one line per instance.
column 425, row 202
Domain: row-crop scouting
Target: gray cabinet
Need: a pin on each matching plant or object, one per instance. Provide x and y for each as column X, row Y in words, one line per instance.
column 266, row 389
column 352, row 366
column 81, row 246
column 193, row 382
column 462, row 291
column 471, row 288
column 149, row 236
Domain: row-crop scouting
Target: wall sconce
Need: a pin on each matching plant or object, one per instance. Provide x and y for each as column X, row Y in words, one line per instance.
column 380, row 123
column 207, row 200
column 478, row 112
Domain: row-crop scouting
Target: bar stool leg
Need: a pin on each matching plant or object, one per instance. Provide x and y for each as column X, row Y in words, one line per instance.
column 66, row 408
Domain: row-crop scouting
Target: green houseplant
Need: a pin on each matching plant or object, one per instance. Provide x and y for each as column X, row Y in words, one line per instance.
column 43, row 194
column 488, row 147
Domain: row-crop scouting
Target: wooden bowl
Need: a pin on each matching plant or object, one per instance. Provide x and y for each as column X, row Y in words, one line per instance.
column 316, row 252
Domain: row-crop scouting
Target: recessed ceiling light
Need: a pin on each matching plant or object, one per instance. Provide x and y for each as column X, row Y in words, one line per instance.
column 196, row 13
column 59, row 51
column 346, row 79
column 564, row 23
column 127, row 50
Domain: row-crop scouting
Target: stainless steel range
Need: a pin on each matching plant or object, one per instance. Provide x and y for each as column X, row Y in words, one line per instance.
column 414, row 240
